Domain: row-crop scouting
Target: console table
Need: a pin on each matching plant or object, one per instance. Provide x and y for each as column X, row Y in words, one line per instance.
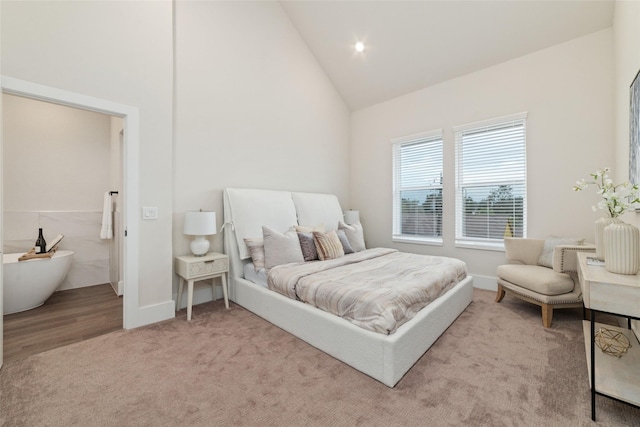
column 617, row 294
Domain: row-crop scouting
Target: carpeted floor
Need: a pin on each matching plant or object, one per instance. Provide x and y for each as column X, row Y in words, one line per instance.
column 495, row 366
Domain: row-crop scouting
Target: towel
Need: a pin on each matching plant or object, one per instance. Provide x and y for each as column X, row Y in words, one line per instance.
column 106, row 232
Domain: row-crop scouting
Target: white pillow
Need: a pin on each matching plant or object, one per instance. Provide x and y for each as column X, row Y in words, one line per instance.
column 546, row 257
column 281, row 248
column 355, row 235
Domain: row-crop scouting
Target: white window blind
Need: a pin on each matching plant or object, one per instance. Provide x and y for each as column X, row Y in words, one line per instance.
column 417, row 188
column 491, row 181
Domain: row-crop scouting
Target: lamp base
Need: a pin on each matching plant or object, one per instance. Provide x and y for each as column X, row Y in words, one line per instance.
column 200, row 246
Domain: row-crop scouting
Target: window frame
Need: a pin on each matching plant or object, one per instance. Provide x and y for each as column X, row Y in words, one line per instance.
column 486, row 243
column 433, row 136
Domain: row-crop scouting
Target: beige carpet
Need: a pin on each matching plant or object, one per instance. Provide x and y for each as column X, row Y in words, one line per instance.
column 495, row 366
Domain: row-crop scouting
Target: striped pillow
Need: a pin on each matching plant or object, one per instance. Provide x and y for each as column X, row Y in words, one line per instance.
column 328, row 245
column 256, row 250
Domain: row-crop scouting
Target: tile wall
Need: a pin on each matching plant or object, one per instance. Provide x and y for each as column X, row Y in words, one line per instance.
column 81, row 230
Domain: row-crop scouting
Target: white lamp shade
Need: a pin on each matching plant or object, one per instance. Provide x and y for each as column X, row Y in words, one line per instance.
column 200, row 223
column 352, row 217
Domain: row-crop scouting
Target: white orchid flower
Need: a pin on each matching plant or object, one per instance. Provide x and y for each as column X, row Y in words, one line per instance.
column 616, row 198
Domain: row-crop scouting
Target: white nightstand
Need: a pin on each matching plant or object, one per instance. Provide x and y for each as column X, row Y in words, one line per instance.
column 192, row 268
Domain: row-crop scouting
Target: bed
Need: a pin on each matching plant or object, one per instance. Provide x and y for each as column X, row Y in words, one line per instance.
column 384, row 357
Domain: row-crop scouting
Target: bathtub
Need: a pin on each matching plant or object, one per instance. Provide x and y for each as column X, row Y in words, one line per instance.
column 28, row 284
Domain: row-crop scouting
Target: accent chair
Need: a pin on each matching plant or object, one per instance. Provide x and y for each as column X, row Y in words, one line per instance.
column 542, row 272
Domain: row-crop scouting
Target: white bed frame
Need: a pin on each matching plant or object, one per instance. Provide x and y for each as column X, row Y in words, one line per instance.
column 385, row 358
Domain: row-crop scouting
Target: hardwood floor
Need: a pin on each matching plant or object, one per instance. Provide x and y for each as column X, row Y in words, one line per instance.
column 67, row 317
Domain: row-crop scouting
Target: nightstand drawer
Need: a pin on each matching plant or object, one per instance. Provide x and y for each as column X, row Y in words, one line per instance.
column 208, row 267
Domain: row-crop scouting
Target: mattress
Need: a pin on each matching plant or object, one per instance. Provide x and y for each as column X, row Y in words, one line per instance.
column 376, row 289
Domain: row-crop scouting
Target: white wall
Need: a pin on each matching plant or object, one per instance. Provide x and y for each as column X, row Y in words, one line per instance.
column 567, row 92
column 55, row 157
column 253, row 109
column 116, row 51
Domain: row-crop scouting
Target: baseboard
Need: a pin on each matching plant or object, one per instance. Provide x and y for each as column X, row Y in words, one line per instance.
column 201, row 294
column 485, row 282
column 118, row 287
column 152, row 314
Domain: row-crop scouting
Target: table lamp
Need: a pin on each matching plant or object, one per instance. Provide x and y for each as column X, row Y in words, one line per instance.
column 351, row 217
column 200, row 224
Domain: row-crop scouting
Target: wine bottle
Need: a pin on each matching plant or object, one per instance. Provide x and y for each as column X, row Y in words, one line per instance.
column 41, row 244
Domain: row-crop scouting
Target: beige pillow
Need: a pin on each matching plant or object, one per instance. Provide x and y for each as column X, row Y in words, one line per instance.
column 355, row 234
column 255, row 245
column 546, row 257
column 281, row 248
column 306, row 229
column 328, row 245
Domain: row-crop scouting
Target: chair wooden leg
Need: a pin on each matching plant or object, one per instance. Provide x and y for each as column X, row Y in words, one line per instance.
column 500, row 293
column 547, row 315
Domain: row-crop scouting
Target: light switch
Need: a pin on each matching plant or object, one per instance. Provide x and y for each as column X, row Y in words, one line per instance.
column 149, row 212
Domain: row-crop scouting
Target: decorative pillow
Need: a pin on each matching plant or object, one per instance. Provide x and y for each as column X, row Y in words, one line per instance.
column 345, row 242
column 308, row 246
column 328, row 245
column 306, row 229
column 256, row 250
column 281, row 248
column 355, row 234
column 546, row 257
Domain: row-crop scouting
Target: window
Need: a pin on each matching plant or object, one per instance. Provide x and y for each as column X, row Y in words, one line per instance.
column 491, row 185
column 417, row 188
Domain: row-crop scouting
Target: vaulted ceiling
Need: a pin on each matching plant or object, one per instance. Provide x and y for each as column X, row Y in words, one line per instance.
column 410, row 45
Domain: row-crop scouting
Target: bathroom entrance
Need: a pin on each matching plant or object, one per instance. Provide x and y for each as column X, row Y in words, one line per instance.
column 64, row 173
column 62, row 170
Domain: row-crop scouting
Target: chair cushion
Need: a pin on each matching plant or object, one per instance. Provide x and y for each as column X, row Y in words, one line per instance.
column 537, row 279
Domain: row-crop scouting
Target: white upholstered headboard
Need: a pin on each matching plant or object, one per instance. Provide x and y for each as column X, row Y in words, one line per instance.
column 247, row 210
column 314, row 209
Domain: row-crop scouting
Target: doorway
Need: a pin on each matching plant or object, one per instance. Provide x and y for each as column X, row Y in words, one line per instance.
column 62, row 169
column 130, row 116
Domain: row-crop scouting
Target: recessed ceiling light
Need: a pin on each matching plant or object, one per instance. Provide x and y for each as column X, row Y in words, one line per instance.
column 359, row 47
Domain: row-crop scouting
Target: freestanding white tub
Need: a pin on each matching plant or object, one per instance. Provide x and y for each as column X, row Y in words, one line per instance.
column 28, row 284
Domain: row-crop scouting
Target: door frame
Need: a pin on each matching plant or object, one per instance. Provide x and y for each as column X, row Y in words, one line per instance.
column 130, row 179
